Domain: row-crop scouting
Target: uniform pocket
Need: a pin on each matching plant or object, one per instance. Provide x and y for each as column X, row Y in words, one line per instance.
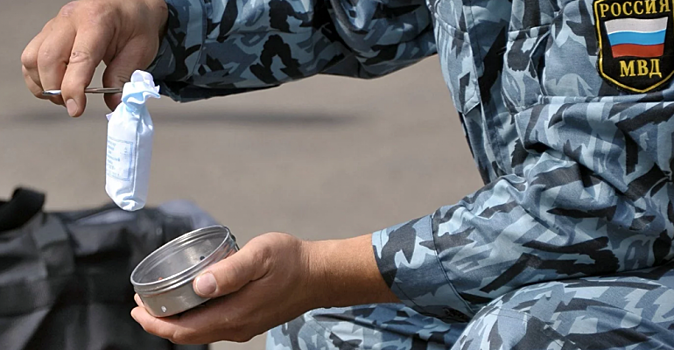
column 523, row 63
column 458, row 66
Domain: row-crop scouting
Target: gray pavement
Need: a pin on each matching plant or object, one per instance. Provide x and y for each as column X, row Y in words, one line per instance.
column 327, row 157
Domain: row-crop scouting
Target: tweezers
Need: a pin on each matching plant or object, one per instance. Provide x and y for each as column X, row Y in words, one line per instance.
column 87, row 91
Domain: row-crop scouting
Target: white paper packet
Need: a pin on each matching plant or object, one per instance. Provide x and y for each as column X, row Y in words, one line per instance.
column 129, row 152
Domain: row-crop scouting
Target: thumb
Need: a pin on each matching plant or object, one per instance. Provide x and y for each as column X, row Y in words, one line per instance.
column 230, row 274
column 136, row 54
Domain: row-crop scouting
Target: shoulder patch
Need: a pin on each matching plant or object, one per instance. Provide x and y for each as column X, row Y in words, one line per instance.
column 636, row 50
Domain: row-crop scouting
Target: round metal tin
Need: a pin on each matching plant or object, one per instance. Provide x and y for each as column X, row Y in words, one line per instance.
column 163, row 280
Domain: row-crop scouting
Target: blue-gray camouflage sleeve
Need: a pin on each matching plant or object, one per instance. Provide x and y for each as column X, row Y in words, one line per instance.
column 584, row 182
column 591, row 201
column 221, row 47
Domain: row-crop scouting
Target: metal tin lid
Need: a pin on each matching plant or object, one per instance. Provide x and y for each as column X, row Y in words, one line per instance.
column 181, row 260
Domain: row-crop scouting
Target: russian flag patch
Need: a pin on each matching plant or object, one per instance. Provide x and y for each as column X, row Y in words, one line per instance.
column 634, row 36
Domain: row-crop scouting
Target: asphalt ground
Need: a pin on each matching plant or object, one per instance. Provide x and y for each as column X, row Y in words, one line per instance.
column 326, row 157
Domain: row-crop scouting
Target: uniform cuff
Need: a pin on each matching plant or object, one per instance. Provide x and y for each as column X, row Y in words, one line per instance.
column 180, row 50
column 408, row 261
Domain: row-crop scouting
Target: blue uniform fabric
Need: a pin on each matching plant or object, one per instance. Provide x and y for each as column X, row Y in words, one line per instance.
column 627, row 311
column 578, row 174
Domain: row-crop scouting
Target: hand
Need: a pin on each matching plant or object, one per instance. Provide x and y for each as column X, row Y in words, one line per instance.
column 64, row 55
column 272, row 280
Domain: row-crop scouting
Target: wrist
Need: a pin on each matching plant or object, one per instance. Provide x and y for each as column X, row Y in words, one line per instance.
column 345, row 273
column 317, row 291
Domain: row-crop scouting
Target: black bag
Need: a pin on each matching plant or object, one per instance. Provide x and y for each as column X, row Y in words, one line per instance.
column 64, row 276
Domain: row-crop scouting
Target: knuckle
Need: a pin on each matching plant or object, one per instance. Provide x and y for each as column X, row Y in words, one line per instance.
column 262, row 247
column 68, row 9
column 265, row 251
column 29, row 58
column 48, row 25
column 259, row 254
column 80, row 56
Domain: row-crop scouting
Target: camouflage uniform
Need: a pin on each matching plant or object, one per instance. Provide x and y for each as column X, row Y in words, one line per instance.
column 577, row 171
column 627, row 311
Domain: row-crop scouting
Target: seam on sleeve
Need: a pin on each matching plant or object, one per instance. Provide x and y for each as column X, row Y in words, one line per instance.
column 444, row 272
column 393, row 282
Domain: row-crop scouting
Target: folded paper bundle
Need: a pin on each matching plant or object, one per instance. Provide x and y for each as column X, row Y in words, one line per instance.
column 129, row 150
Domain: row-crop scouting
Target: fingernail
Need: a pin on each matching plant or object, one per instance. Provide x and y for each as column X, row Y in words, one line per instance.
column 71, row 106
column 206, row 284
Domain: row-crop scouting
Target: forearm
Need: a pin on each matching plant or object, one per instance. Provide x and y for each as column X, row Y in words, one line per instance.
column 344, row 273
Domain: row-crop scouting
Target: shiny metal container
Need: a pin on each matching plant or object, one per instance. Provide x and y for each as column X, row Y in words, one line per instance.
column 163, row 280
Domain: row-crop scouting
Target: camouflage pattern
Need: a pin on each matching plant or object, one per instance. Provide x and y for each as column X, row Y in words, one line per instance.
column 626, row 311
column 377, row 326
column 630, row 311
column 578, row 174
column 218, row 47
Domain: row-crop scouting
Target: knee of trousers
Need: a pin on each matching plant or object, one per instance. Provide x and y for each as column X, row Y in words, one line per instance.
column 634, row 310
